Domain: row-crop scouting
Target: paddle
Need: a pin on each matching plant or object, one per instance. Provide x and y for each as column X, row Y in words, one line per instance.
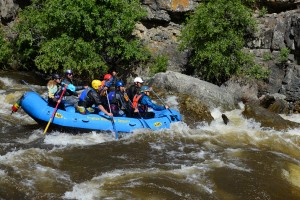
column 32, row 89
column 28, row 86
column 165, row 105
column 112, row 118
column 55, row 109
column 138, row 112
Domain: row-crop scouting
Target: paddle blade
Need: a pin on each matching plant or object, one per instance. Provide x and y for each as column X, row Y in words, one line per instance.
column 48, row 125
column 114, row 127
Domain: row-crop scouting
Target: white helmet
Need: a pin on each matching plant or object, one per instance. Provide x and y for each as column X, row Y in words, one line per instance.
column 138, row 80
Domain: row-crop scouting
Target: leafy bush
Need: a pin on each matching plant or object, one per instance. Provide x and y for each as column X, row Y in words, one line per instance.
column 216, row 34
column 253, row 70
column 283, row 55
column 257, row 72
column 84, row 35
column 263, row 11
column 159, row 64
column 5, row 51
column 267, row 56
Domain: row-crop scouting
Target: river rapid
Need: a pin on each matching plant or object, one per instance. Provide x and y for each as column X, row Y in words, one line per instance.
column 240, row 160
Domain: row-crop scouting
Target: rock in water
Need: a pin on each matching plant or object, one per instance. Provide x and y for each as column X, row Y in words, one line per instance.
column 225, row 119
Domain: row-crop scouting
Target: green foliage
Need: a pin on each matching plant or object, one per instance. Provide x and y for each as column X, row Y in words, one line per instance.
column 267, row 56
column 216, row 33
column 159, row 64
column 84, row 35
column 251, row 69
column 262, row 12
column 283, row 55
column 258, row 72
column 5, row 50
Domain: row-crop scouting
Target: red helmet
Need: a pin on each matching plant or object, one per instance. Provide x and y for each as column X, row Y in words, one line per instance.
column 107, row 76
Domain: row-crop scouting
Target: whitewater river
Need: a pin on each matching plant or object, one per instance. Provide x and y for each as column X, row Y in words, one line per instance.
column 240, row 160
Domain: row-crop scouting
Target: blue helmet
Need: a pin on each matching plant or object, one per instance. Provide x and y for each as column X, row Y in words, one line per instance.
column 145, row 88
column 119, row 84
column 111, row 95
column 68, row 71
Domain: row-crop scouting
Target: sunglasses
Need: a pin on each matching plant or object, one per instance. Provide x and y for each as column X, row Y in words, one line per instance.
column 70, row 74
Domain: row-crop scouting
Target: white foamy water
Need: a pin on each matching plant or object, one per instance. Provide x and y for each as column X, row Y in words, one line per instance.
column 172, row 102
column 22, row 157
column 35, row 176
column 2, row 173
column 8, row 82
column 293, row 117
column 36, row 135
column 101, row 187
column 84, row 139
column 7, row 100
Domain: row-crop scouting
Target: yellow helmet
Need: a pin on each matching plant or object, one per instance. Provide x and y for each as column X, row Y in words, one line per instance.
column 96, row 84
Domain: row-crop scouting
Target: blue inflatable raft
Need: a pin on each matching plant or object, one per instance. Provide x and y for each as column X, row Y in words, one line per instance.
column 37, row 108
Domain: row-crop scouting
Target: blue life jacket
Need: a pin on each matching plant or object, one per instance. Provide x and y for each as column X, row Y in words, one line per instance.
column 84, row 93
column 111, row 96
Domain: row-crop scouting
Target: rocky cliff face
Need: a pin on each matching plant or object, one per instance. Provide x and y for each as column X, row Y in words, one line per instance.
column 277, row 29
column 160, row 31
column 163, row 40
column 9, row 9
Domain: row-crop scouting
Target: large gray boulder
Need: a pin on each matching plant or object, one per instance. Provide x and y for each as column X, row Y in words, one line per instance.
column 209, row 94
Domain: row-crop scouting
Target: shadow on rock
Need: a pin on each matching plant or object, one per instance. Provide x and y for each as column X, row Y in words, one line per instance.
column 194, row 110
column 275, row 104
column 267, row 118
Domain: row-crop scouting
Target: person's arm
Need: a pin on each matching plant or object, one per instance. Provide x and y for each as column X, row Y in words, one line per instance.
column 97, row 101
column 58, row 93
column 104, row 110
column 71, row 90
column 79, row 88
column 146, row 100
column 103, row 91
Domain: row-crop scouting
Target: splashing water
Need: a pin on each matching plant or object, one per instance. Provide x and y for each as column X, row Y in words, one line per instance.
column 240, row 160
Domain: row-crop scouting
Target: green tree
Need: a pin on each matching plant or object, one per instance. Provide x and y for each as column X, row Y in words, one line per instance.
column 5, row 50
column 216, row 34
column 85, row 35
column 159, row 64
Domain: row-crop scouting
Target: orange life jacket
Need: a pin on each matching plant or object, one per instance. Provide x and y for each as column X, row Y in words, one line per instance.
column 135, row 101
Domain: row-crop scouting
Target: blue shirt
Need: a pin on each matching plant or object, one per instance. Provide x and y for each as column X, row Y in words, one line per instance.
column 147, row 101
